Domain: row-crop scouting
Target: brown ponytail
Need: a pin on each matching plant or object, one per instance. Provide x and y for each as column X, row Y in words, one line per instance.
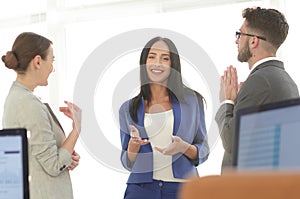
column 10, row 60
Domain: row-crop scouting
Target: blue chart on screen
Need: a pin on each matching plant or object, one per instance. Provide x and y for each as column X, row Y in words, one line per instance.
column 268, row 137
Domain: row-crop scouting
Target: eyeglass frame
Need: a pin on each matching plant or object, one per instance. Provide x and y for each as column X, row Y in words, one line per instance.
column 238, row 35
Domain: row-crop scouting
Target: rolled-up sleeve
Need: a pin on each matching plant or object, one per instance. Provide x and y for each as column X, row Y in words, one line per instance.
column 43, row 145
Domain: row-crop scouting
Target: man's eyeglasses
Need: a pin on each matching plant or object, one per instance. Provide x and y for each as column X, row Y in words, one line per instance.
column 238, row 35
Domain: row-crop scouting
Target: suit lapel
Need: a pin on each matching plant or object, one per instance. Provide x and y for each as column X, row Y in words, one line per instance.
column 53, row 116
column 177, row 115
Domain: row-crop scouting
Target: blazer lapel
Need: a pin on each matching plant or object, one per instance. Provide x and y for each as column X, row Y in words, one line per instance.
column 141, row 117
column 177, row 115
column 53, row 116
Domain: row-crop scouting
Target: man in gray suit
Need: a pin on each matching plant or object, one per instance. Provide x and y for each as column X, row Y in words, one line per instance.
column 261, row 34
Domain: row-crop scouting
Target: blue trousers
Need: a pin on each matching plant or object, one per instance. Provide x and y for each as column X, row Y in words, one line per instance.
column 155, row 190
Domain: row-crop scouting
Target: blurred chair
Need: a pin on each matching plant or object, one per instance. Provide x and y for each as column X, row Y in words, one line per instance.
column 243, row 186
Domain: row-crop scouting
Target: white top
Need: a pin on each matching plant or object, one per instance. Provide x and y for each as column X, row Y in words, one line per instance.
column 159, row 127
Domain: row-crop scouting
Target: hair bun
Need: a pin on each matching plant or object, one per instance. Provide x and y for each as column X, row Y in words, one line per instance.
column 10, row 60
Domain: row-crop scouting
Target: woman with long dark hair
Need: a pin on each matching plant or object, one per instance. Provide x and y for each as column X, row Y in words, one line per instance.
column 163, row 132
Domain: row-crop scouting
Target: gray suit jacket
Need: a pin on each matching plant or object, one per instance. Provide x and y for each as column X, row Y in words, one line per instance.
column 49, row 177
column 268, row 82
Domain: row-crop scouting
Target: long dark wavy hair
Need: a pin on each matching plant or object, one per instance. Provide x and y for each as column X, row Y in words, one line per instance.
column 175, row 86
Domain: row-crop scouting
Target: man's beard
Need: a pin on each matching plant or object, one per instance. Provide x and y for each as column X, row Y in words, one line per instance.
column 245, row 54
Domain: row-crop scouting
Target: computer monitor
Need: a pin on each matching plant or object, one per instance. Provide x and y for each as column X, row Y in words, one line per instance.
column 14, row 164
column 268, row 137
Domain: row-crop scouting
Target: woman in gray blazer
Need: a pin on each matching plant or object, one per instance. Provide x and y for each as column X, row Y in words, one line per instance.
column 51, row 153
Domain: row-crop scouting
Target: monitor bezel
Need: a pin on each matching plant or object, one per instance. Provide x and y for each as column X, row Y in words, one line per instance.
column 23, row 133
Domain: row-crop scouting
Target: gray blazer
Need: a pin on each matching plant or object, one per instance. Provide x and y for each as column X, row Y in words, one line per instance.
column 268, row 82
column 49, row 177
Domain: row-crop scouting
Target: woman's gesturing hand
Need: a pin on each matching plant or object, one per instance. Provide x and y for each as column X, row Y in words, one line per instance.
column 73, row 112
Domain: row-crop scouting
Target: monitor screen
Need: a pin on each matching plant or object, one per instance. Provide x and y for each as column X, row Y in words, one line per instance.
column 268, row 137
column 13, row 164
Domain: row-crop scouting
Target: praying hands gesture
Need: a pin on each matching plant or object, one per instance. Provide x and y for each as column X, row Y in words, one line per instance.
column 229, row 84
